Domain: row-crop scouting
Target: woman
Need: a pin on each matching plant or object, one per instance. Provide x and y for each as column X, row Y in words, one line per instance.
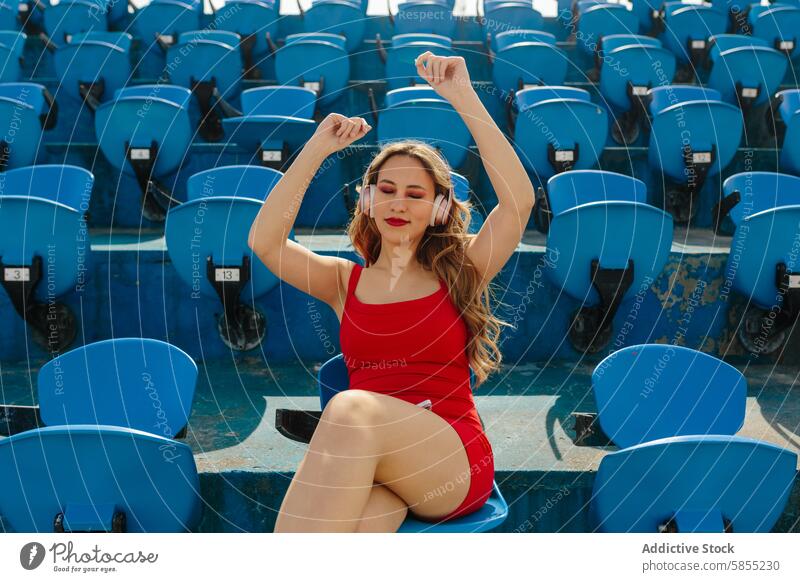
column 406, row 435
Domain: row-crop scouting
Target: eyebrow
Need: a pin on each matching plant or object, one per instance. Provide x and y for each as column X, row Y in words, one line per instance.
column 410, row 185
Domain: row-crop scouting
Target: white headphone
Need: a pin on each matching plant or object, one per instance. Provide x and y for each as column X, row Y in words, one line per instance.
column 440, row 214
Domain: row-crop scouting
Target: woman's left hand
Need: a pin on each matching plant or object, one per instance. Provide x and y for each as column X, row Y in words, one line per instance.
column 447, row 75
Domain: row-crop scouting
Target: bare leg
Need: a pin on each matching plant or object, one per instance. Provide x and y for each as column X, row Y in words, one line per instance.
column 385, row 512
column 364, row 437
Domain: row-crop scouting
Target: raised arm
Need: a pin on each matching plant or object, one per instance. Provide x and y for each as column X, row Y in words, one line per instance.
column 499, row 236
column 317, row 275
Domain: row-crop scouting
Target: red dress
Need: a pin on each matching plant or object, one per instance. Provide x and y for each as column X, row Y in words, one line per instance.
column 416, row 350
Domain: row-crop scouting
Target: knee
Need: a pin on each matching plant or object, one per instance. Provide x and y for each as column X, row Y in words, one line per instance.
column 349, row 410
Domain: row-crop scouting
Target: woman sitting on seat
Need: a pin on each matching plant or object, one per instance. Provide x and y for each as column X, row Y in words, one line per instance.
column 406, row 436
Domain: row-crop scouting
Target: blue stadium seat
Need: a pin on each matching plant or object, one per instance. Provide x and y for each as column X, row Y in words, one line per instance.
column 343, row 17
column 778, row 24
column 558, row 129
column 29, row 106
column 461, row 189
column 508, row 15
column 256, row 22
column 44, row 246
column 748, row 193
column 159, row 22
column 765, row 269
column 12, row 43
column 745, row 71
column 604, row 252
column 275, row 122
column 213, row 257
column 210, row 64
column 145, row 132
column 526, row 58
column 137, row 383
column 645, row 10
column 632, row 64
column 597, row 20
column 332, row 379
column 694, row 135
column 316, row 61
column 649, row 392
column 686, row 30
column 98, row 478
column 70, row 17
column 93, row 65
column 785, row 121
column 401, row 70
column 569, row 189
column 9, row 14
column 424, row 16
column 419, row 113
column 701, row 484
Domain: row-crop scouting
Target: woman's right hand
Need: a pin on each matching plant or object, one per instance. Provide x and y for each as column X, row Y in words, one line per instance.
column 336, row 132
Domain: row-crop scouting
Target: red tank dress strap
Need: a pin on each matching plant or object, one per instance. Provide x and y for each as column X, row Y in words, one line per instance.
column 355, row 275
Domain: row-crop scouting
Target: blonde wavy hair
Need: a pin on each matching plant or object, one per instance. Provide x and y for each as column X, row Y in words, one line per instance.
column 443, row 251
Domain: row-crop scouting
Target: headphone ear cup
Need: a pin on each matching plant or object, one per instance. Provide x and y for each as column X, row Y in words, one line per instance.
column 365, row 199
column 435, row 211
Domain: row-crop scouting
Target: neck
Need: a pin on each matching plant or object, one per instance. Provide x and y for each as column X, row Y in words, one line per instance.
column 399, row 258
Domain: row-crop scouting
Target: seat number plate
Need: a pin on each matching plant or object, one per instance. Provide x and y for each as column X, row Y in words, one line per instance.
column 794, row 281
column 701, row 157
column 639, row 90
column 271, row 156
column 16, row 274
column 565, row 156
column 140, row 154
column 749, row 92
column 698, row 44
column 529, row 85
column 225, row 274
column 166, row 38
column 313, row 85
column 786, row 45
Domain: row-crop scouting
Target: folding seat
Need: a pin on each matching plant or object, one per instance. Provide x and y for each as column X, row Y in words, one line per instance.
column 299, row 425
column 596, row 20
column 159, row 22
column 419, row 113
column 763, row 266
column 98, row 478
column 145, row 132
column 647, row 11
column 685, row 31
column 256, row 22
column 461, row 189
column 649, row 392
column 508, row 15
column 631, row 65
column 778, row 24
column 701, row 484
column 401, row 55
column 316, row 61
column 10, row 14
column 44, row 246
column 424, row 16
column 343, row 17
column 26, row 109
column 93, row 65
column 784, row 120
column 207, row 243
column 558, row 129
column 748, row 193
column 70, row 17
column 210, row 64
column 137, row 383
column 526, row 58
column 744, row 70
column 605, row 247
column 276, row 121
column 694, row 136
column 12, row 43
